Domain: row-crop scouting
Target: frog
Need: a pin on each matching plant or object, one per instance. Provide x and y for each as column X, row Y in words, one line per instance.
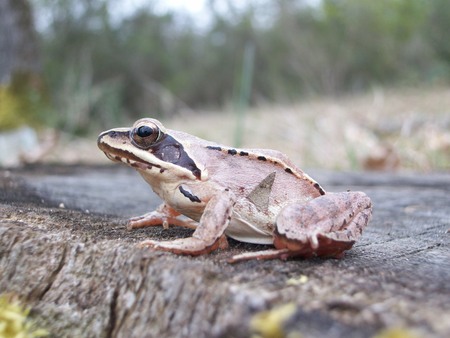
column 256, row 196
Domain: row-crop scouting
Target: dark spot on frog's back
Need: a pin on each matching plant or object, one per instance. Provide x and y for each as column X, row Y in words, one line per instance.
column 243, row 153
column 232, row 151
column 262, row 158
column 318, row 187
column 214, row 148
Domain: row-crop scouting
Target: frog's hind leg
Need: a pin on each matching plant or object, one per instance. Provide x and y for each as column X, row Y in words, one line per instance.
column 164, row 215
column 326, row 226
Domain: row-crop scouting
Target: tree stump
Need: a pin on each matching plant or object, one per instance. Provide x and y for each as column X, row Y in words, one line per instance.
column 65, row 251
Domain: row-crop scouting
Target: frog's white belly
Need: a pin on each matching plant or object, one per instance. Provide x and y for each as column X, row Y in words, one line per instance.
column 244, row 231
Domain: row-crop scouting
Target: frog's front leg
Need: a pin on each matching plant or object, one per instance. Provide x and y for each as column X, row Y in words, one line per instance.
column 209, row 234
column 163, row 215
column 326, row 226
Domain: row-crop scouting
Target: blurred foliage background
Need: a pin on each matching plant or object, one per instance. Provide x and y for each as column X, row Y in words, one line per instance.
column 101, row 64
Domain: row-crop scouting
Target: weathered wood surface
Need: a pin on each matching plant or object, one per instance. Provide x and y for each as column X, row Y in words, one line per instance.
column 82, row 274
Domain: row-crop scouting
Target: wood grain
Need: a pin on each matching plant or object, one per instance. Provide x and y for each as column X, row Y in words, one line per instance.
column 83, row 275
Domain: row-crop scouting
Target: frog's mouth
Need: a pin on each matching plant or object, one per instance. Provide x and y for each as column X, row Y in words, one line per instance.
column 118, row 155
column 106, row 141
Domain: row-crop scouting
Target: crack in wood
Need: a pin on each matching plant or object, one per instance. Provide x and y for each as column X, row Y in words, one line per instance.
column 175, row 297
column 53, row 275
column 416, row 251
column 198, row 296
column 112, row 313
column 15, row 240
column 141, row 288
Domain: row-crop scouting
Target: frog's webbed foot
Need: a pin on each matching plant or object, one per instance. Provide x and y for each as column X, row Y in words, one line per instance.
column 209, row 234
column 163, row 215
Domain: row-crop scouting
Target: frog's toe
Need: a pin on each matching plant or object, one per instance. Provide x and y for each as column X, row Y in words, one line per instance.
column 148, row 244
column 147, row 220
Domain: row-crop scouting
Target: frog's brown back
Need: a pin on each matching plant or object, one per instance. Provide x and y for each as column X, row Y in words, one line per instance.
column 242, row 170
column 245, row 169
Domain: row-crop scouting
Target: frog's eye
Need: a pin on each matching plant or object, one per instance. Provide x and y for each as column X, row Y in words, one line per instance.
column 145, row 136
column 144, row 131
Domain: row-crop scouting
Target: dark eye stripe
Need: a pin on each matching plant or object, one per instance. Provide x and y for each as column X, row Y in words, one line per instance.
column 164, row 150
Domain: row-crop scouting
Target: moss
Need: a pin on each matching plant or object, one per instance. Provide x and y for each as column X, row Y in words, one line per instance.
column 14, row 321
column 269, row 324
column 22, row 102
column 396, row 333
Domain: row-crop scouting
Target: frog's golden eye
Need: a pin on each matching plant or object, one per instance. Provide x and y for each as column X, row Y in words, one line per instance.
column 145, row 136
